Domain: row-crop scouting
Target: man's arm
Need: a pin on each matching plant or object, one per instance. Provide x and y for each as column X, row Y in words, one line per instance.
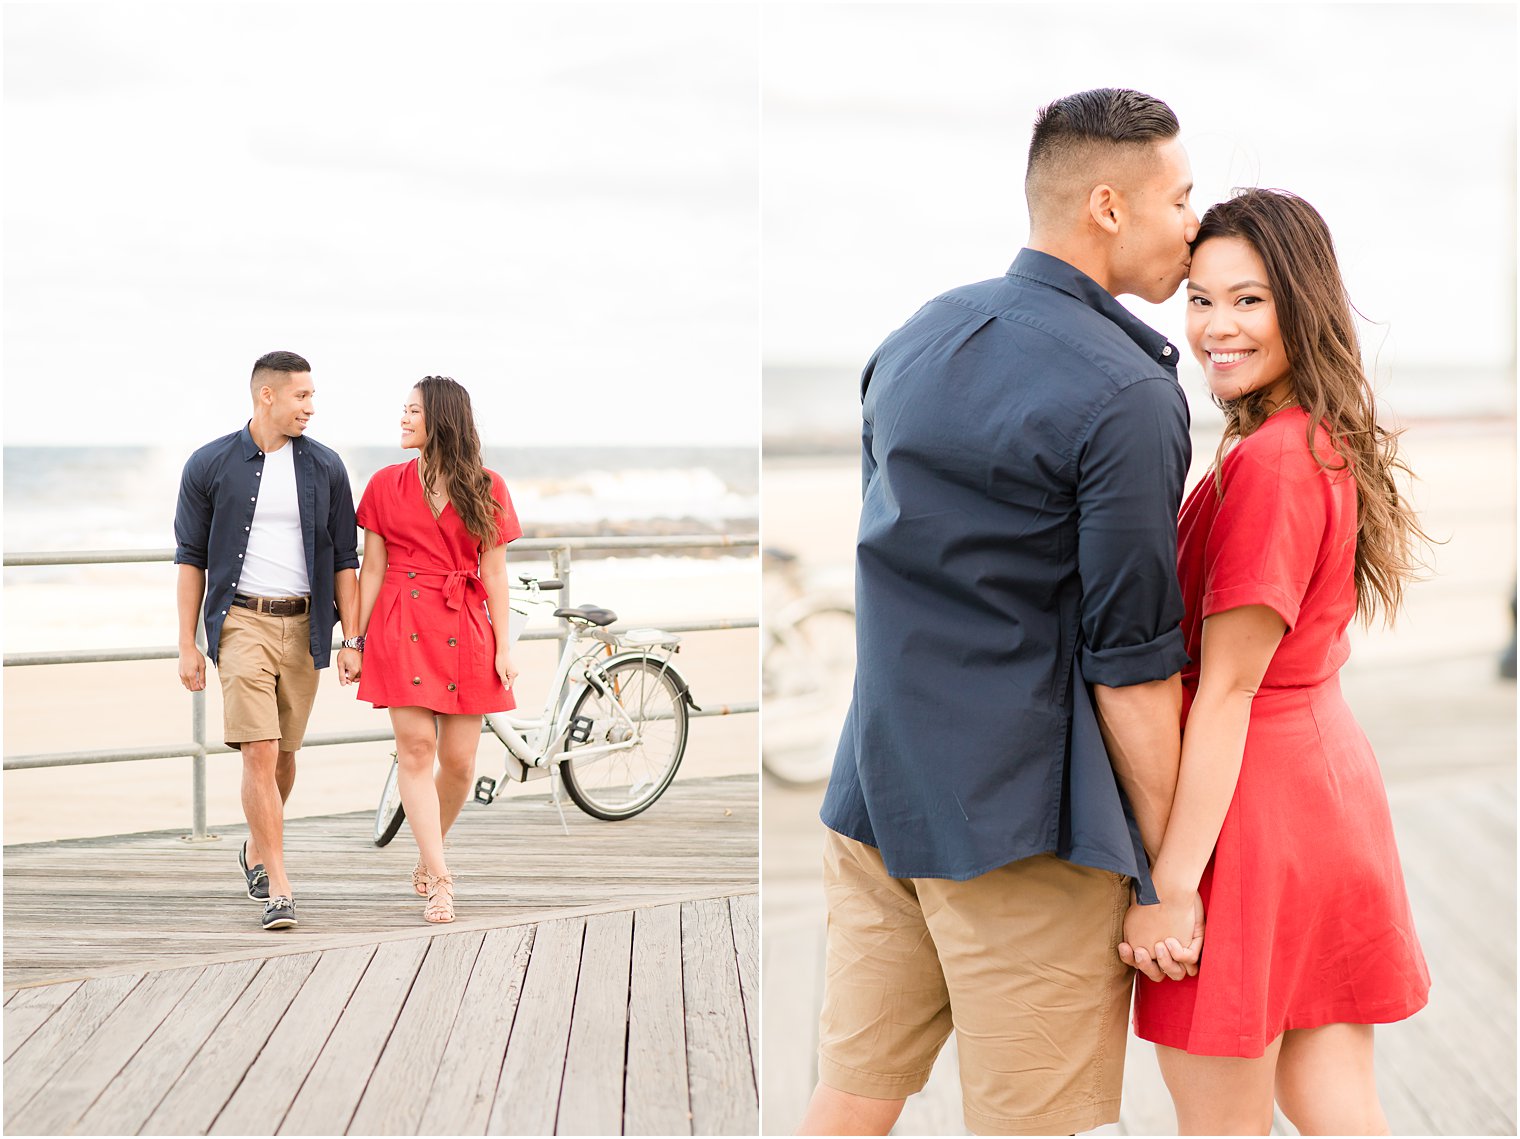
column 189, row 591
column 1140, row 730
column 346, row 593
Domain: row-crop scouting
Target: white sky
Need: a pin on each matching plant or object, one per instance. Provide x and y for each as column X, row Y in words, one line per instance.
column 556, row 204
column 895, row 138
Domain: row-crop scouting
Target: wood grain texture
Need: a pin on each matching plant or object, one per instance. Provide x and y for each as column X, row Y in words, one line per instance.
column 27, row 1009
column 464, row 1088
column 591, row 1092
column 128, row 1100
column 337, row 1080
column 744, row 915
column 723, row 1098
column 398, row 1089
column 527, row 1099
column 657, row 1099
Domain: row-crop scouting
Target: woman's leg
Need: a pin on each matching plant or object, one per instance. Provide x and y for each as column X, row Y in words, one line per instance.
column 1220, row 1095
column 1325, row 1081
column 458, row 741
column 416, row 748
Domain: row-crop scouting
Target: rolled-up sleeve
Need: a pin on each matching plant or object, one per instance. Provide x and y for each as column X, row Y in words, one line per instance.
column 1131, row 465
column 192, row 516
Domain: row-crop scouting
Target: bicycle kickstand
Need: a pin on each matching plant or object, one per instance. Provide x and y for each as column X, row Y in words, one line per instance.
column 554, row 781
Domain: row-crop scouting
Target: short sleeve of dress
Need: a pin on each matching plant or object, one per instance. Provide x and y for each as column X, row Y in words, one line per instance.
column 1269, row 528
column 508, row 529
column 370, row 509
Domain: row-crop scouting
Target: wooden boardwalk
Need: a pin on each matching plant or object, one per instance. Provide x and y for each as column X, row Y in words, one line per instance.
column 602, row 982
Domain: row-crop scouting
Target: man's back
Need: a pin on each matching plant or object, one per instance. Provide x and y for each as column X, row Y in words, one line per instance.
column 1025, row 443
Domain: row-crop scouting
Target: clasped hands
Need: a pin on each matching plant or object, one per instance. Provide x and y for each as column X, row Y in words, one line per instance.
column 1151, row 938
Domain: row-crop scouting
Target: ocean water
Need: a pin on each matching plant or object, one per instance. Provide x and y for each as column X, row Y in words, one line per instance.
column 122, row 498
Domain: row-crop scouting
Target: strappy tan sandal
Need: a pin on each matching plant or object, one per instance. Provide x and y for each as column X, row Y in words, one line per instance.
column 419, row 879
column 440, row 899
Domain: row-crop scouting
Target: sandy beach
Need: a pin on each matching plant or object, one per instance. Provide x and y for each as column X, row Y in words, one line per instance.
column 82, row 707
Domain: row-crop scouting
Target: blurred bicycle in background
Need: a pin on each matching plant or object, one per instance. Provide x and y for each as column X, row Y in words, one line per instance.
column 807, row 669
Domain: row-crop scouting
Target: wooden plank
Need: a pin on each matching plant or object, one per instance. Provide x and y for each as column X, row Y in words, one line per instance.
column 27, row 1009
column 656, row 1098
column 333, row 1087
column 393, row 1101
column 131, row 1097
column 723, row 1095
column 591, row 1094
column 49, row 1048
column 205, row 1086
column 527, row 1097
column 271, row 1084
column 743, row 913
column 464, row 1087
column 70, row 1092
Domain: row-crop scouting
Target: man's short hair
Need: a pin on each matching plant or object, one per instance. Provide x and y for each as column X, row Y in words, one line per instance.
column 283, row 362
column 1078, row 139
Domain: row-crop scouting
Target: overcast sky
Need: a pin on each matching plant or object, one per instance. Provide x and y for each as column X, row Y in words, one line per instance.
column 895, row 138
column 554, row 203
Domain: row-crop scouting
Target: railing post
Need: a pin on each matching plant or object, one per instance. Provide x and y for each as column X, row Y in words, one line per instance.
column 198, row 760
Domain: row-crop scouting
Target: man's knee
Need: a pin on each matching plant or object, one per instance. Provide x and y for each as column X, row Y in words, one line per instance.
column 261, row 755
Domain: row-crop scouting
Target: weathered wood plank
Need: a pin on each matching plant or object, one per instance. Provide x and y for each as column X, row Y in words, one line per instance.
column 219, row 1067
column 591, row 1092
column 336, row 1082
column 27, row 1009
column 393, row 1102
column 527, row 1098
column 459, row 1101
column 130, row 1098
column 49, row 1048
column 657, row 1098
column 743, row 912
column 271, row 1084
column 71, row 1090
column 723, row 1096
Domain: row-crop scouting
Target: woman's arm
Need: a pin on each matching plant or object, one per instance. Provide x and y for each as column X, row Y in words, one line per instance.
column 1237, row 648
column 371, row 577
column 493, row 575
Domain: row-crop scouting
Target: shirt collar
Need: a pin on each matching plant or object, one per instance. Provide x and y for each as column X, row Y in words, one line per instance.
column 249, row 448
column 1033, row 265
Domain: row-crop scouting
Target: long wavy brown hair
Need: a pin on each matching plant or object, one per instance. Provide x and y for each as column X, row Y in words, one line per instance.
column 1314, row 315
column 452, row 452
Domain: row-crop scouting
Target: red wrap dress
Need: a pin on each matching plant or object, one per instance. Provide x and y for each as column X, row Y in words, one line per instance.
column 1307, row 919
column 429, row 641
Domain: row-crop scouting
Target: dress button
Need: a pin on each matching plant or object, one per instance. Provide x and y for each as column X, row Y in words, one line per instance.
column 411, row 575
column 414, row 636
column 452, row 687
column 452, row 642
column 416, row 680
column 414, row 593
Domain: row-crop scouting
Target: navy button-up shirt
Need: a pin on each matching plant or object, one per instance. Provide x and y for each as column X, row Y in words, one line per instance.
column 1025, row 447
column 217, row 495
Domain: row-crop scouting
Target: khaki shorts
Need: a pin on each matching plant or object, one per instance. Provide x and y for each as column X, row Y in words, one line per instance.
column 1021, row 962
column 268, row 680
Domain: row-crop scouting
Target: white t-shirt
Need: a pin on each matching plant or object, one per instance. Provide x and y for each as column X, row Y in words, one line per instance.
column 275, row 564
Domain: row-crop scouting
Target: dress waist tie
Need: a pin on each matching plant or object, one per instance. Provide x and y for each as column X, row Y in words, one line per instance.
column 455, row 585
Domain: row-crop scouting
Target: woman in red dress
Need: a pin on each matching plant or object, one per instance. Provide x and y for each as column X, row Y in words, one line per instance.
column 433, row 576
column 1280, row 822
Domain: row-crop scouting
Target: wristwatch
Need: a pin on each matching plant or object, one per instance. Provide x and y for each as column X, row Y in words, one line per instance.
column 354, row 642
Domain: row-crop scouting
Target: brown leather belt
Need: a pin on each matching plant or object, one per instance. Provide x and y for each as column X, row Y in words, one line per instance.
column 275, row 606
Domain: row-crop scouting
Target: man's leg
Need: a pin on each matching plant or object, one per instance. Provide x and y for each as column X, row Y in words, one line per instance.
column 285, row 779
column 264, row 808
column 833, row 1112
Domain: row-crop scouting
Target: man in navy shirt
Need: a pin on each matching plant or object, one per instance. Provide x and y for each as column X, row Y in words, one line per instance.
column 1025, row 446
column 267, row 540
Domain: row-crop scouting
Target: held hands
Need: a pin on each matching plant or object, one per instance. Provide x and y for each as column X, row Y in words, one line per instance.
column 1152, row 943
column 192, row 669
column 350, row 665
column 505, row 669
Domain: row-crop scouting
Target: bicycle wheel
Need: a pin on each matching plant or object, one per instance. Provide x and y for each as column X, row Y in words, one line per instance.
column 390, row 813
column 642, row 704
column 807, row 677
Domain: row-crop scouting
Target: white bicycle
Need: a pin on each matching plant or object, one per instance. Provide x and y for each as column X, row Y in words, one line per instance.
column 612, row 730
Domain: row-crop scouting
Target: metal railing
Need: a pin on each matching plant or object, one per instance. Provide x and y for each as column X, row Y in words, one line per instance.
column 558, row 549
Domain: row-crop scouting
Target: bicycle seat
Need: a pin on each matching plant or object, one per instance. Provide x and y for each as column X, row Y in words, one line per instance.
column 591, row 614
